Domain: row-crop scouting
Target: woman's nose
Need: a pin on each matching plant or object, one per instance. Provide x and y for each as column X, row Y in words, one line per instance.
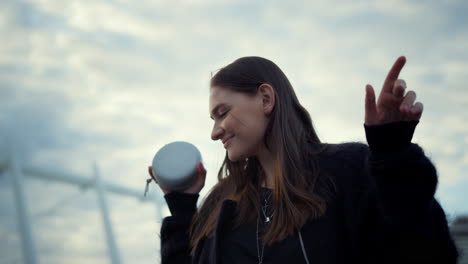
column 216, row 133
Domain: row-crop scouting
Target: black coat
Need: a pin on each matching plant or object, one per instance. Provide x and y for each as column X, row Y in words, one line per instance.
column 384, row 209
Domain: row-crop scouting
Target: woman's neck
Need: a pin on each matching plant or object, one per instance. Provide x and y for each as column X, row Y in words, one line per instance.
column 267, row 162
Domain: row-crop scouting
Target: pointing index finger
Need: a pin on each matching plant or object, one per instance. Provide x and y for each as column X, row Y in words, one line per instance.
column 393, row 74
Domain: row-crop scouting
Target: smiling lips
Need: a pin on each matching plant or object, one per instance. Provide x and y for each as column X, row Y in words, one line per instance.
column 227, row 141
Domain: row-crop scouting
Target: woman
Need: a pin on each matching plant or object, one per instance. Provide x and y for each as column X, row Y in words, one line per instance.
column 283, row 196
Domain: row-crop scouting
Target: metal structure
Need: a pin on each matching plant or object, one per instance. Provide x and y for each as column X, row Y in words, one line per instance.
column 18, row 173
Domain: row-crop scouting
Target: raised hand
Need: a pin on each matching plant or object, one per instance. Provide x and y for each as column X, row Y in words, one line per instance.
column 393, row 105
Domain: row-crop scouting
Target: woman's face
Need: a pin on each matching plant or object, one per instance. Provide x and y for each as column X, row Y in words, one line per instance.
column 240, row 120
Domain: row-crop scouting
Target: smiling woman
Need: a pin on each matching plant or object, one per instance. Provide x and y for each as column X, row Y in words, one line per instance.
column 242, row 120
column 284, row 196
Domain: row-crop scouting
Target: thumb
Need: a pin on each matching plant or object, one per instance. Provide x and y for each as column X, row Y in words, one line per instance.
column 201, row 168
column 370, row 106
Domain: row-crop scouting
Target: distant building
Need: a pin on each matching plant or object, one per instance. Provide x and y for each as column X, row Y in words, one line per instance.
column 459, row 230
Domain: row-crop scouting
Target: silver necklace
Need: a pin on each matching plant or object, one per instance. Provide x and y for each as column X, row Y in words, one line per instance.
column 260, row 255
column 267, row 220
column 265, row 210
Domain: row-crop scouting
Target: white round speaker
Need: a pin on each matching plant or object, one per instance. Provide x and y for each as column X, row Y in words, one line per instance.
column 175, row 165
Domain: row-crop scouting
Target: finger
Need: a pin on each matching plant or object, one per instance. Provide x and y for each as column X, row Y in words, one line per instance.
column 393, row 74
column 200, row 181
column 416, row 111
column 370, row 107
column 399, row 88
column 150, row 171
column 201, row 169
column 202, row 173
column 408, row 102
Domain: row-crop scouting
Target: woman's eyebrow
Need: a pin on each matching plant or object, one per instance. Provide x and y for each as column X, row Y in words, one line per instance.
column 215, row 109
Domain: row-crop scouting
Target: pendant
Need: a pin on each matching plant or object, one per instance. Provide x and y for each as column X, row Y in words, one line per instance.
column 267, row 219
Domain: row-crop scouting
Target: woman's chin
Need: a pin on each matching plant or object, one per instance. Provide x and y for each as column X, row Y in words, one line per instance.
column 233, row 157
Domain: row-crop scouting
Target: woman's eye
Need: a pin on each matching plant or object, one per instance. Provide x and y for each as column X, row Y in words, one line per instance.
column 223, row 114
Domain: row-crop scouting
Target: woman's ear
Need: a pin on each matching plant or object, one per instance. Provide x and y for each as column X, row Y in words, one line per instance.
column 267, row 95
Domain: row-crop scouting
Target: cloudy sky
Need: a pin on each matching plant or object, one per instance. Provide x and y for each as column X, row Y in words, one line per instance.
column 112, row 81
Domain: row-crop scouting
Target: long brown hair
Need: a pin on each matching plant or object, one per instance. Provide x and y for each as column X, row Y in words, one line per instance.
column 299, row 192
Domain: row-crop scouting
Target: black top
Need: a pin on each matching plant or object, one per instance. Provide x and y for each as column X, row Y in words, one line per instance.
column 383, row 211
column 240, row 245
